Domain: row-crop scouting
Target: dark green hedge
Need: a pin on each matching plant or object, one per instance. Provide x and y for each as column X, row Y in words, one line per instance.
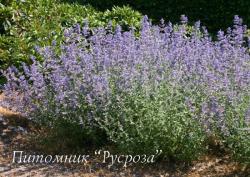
column 214, row 14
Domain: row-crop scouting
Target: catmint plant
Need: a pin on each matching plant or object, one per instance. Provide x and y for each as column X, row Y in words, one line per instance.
column 167, row 88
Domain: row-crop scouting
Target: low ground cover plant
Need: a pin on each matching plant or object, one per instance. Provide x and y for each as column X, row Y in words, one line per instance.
column 165, row 89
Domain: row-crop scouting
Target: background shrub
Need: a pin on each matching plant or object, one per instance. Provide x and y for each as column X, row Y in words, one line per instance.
column 26, row 24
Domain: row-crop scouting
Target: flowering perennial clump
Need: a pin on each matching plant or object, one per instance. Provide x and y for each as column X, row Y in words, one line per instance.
column 168, row 87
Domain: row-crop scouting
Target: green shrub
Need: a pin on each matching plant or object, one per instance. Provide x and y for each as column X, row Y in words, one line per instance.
column 26, row 24
column 239, row 145
column 238, row 141
column 141, row 123
column 124, row 16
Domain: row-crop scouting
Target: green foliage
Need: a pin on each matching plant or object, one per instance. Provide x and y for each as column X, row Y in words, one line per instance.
column 141, row 123
column 26, row 24
column 68, row 137
column 239, row 140
column 123, row 16
column 239, row 145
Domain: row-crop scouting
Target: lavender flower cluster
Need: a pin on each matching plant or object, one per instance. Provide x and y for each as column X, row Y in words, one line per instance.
column 79, row 81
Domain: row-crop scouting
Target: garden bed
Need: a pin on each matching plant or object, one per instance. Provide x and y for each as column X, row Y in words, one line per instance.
column 19, row 139
column 170, row 98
